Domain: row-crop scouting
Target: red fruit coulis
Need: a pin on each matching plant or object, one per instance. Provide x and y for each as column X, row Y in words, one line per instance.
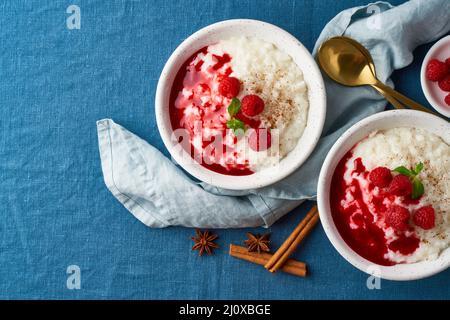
column 195, row 102
column 358, row 213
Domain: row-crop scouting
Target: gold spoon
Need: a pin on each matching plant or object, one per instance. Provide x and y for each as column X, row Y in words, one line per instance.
column 346, row 64
column 366, row 52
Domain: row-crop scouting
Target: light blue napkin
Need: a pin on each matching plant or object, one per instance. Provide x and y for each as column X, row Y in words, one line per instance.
column 160, row 194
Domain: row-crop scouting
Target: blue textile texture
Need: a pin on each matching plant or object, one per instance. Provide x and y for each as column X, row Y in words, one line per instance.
column 55, row 82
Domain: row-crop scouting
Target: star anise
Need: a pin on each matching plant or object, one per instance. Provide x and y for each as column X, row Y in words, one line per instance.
column 258, row 242
column 204, row 242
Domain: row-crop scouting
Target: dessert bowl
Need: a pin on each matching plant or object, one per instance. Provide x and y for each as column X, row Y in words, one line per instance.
column 281, row 40
column 381, row 122
column 435, row 96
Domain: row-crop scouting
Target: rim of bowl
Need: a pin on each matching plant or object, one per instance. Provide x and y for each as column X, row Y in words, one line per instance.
column 398, row 272
column 424, row 82
column 293, row 160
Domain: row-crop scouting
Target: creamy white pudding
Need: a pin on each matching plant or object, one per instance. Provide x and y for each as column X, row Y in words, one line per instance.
column 362, row 210
column 200, row 106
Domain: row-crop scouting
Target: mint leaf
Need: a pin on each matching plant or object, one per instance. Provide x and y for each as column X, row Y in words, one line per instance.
column 418, row 168
column 235, row 125
column 403, row 170
column 234, row 107
column 418, row 189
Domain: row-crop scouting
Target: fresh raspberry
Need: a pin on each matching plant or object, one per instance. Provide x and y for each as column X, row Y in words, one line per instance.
column 229, row 87
column 444, row 84
column 424, row 217
column 447, row 99
column 397, row 217
column 436, row 70
column 380, row 177
column 260, row 139
column 252, row 105
column 447, row 62
column 400, row 186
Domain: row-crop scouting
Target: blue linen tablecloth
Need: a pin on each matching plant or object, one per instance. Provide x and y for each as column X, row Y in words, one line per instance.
column 56, row 211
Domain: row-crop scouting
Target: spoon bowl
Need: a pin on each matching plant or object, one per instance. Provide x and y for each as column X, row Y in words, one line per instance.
column 345, row 63
column 364, row 51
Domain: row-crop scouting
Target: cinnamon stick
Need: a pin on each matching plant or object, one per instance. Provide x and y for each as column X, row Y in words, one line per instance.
column 291, row 266
column 291, row 239
column 306, row 230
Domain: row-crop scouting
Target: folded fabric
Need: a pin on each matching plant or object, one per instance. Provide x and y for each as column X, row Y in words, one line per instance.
column 160, row 194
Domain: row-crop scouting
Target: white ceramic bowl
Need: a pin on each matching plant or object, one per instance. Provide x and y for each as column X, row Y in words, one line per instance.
column 435, row 96
column 381, row 121
column 285, row 42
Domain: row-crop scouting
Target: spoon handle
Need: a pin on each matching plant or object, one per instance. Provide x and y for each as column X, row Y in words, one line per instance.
column 400, row 97
column 394, row 102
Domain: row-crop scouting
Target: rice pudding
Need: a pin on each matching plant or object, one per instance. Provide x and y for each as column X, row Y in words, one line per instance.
column 243, row 103
column 390, row 196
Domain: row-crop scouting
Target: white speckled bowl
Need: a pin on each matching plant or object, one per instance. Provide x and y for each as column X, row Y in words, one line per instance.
column 435, row 96
column 285, row 42
column 381, row 121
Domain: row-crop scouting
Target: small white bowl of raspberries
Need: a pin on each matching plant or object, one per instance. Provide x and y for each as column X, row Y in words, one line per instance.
column 435, row 76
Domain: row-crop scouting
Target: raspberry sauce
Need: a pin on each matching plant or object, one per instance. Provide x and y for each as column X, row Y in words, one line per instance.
column 197, row 106
column 358, row 212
